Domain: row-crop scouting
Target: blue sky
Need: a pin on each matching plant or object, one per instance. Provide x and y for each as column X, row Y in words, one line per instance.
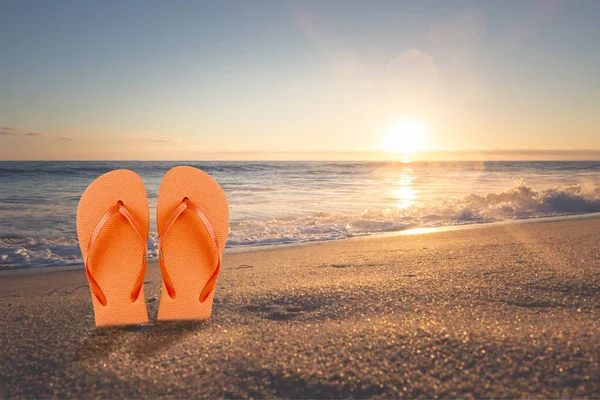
column 244, row 79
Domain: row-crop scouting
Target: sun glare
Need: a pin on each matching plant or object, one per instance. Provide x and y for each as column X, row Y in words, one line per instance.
column 405, row 136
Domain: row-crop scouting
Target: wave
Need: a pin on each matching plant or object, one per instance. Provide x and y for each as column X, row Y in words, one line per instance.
column 520, row 202
column 18, row 252
column 93, row 168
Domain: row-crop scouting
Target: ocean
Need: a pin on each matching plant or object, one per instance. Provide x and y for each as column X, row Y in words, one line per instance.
column 274, row 203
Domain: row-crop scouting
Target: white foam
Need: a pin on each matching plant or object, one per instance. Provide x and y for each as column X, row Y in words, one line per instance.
column 519, row 202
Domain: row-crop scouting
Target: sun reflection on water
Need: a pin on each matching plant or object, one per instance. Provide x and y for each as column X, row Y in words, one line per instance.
column 404, row 193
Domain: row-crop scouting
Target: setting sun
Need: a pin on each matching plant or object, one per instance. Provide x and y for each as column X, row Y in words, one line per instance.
column 405, row 136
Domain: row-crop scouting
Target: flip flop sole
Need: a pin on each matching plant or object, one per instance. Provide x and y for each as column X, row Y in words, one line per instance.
column 117, row 254
column 188, row 249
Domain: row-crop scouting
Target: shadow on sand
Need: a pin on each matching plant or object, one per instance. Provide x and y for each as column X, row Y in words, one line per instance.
column 141, row 341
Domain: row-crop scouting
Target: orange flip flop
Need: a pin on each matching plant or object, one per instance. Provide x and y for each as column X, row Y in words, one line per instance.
column 112, row 227
column 192, row 218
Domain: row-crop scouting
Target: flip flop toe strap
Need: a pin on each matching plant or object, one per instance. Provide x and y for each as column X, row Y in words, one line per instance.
column 117, row 209
column 187, row 204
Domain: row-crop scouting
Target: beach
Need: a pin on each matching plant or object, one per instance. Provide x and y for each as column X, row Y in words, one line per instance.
column 393, row 199
column 509, row 311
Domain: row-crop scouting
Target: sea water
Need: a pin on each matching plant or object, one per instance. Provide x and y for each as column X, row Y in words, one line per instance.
column 291, row 202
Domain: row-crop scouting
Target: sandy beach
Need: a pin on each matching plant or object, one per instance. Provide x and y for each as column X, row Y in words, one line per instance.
column 509, row 311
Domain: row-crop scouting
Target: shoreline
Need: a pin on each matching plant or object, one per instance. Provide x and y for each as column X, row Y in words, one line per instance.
column 268, row 247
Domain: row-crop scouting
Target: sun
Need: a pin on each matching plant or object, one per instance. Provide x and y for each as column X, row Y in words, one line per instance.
column 405, row 136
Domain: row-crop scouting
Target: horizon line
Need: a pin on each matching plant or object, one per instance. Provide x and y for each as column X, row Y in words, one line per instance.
column 438, row 155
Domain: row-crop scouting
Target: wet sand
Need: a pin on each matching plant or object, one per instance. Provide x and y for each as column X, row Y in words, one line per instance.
column 507, row 311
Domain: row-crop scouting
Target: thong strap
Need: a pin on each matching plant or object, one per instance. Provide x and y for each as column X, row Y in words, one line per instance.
column 187, row 204
column 118, row 209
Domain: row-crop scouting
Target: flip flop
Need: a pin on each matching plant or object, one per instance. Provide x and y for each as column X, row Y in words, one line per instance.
column 112, row 227
column 192, row 218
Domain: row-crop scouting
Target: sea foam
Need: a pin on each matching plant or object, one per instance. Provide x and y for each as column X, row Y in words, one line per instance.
column 519, row 202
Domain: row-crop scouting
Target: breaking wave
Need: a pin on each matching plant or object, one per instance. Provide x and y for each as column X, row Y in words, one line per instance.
column 520, row 202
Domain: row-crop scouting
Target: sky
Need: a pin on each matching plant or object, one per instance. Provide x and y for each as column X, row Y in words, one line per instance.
column 189, row 80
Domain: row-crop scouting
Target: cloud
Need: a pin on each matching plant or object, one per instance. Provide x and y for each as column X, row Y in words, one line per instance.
column 21, row 132
column 154, row 140
column 13, row 129
column 148, row 140
column 162, row 140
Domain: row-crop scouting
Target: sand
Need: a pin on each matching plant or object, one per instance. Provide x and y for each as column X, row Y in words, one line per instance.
column 505, row 311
